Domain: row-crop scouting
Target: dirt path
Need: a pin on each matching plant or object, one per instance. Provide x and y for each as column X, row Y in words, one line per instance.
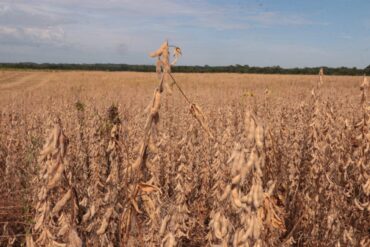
column 27, row 81
column 8, row 77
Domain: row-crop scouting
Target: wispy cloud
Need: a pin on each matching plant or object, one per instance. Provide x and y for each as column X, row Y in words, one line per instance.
column 22, row 14
column 194, row 13
column 345, row 36
column 4, row 8
column 32, row 35
column 279, row 19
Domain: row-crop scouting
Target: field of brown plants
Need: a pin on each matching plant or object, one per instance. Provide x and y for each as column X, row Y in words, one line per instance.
column 95, row 159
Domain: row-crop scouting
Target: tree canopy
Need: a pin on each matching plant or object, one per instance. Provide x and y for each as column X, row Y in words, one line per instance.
column 189, row 69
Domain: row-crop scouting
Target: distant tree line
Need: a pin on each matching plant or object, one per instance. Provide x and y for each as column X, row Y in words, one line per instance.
column 189, row 69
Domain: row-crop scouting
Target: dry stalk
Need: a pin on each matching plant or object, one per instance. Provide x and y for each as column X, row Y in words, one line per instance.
column 56, row 207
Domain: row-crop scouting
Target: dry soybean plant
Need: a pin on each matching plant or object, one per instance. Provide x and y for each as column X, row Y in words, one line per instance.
column 56, row 204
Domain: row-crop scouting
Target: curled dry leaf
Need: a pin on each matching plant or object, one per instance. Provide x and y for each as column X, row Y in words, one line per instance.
column 60, row 204
column 176, row 53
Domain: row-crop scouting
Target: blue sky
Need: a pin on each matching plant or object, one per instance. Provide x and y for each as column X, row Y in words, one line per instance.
column 288, row 33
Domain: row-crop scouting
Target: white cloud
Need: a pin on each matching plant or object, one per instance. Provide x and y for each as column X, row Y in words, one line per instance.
column 9, row 31
column 4, row 8
column 53, row 34
column 29, row 14
column 49, row 35
column 276, row 18
column 345, row 36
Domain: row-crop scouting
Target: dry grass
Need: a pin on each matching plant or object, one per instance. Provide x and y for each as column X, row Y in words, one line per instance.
column 270, row 160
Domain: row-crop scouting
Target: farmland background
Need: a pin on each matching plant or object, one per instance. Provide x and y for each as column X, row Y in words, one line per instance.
column 309, row 184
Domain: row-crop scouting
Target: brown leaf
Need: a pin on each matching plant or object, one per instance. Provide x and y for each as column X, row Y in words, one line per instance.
column 148, row 188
